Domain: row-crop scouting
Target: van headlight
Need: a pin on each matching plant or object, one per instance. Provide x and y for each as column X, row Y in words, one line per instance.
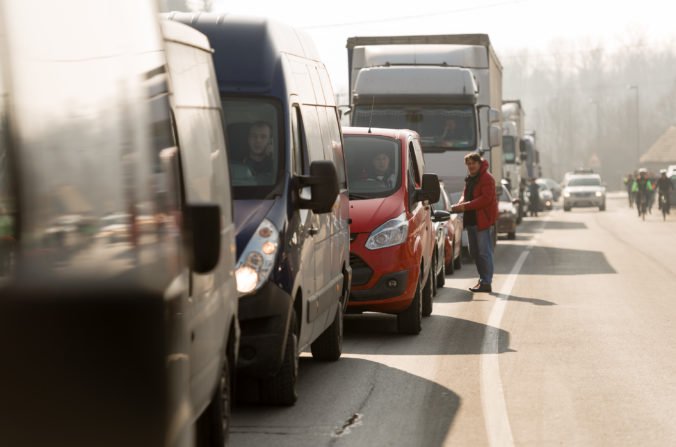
column 599, row 194
column 391, row 233
column 566, row 194
column 257, row 259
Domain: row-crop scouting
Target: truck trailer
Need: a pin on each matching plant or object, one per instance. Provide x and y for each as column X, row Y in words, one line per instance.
column 448, row 88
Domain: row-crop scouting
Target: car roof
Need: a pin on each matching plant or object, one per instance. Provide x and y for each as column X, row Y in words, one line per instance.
column 392, row 133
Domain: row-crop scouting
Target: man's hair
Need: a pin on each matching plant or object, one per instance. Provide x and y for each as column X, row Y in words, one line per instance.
column 261, row 124
column 474, row 156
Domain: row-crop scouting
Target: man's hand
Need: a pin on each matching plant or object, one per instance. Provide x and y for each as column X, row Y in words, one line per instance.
column 457, row 208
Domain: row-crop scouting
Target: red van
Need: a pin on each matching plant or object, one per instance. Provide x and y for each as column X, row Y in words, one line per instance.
column 392, row 239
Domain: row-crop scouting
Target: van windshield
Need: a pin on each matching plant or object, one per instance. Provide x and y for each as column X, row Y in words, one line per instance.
column 373, row 166
column 448, row 127
column 255, row 144
column 584, row 181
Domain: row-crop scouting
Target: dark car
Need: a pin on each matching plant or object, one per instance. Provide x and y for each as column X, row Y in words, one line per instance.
column 291, row 201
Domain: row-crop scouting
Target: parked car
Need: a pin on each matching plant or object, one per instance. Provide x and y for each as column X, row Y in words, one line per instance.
column 141, row 331
column 584, row 190
column 393, row 241
column 553, row 186
column 291, row 200
column 453, row 240
column 508, row 212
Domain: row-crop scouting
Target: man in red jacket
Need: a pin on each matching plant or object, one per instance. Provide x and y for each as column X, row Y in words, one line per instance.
column 479, row 203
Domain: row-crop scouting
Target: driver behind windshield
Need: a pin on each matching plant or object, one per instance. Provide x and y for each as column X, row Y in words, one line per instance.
column 381, row 169
column 259, row 157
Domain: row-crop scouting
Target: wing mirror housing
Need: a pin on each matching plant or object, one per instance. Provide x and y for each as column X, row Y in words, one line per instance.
column 202, row 236
column 441, row 216
column 323, row 183
column 430, row 191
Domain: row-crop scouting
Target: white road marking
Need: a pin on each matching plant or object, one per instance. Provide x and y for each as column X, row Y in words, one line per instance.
column 493, row 403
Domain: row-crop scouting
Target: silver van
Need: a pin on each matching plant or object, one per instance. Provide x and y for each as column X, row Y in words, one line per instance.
column 117, row 293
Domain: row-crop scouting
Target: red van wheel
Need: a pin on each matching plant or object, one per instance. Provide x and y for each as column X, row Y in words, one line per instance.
column 410, row 320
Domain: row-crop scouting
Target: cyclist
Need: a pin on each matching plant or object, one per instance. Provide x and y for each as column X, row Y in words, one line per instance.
column 664, row 187
column 642, row 187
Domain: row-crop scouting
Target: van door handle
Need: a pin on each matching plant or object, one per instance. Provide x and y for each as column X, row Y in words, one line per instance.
column 313, row 230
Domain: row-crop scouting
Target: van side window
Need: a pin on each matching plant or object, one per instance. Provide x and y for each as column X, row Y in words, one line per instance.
column 312, row 132
column 413, row 166
column 298, row 153
column 335, row 144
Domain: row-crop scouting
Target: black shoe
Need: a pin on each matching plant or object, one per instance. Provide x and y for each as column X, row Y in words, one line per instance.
column 481, row 288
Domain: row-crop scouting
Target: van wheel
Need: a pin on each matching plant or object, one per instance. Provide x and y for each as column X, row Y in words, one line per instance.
column 213, row 425
column 410, row 320
column 566, row 208
column 280, row 389
column 329, row 346
column 511, row 235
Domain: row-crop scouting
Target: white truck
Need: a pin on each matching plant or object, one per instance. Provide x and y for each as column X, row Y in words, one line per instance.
column 448, row 88
column 513, row 117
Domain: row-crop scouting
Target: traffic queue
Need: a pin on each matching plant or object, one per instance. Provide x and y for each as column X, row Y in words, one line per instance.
column 185, row 215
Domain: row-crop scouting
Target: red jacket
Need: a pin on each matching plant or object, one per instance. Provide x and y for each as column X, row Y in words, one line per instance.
column 484, row 199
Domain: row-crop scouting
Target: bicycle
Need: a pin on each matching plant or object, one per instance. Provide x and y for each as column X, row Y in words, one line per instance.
column 664, row 206
column 641, row 205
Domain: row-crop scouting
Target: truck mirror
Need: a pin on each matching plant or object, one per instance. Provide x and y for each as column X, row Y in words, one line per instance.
column 495, row 137
column 323, row 183
column 493, row 116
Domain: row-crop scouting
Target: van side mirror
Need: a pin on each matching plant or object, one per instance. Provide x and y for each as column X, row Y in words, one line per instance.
column 441, row 216
column 430, row 191
column 495, row 136
column 202, row 236
column 323, row 183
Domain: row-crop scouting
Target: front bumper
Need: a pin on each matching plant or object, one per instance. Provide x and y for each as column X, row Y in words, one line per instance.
column 264, row 321
column 585, row 201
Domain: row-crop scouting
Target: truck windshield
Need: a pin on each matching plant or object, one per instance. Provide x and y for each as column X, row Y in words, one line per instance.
column 373, row 166
column 509, row 149
column 255, row 146
column 446, row 127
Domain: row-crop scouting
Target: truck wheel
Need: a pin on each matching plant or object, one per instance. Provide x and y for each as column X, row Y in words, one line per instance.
column 428, row 293
column 213, row 425
column 410, row 320
column 280, row 389
column 329, row 346
column 511, row 235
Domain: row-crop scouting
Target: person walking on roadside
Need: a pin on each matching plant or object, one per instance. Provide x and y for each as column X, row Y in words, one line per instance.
column 479, row 203
column 664, row 187
column 533, row 198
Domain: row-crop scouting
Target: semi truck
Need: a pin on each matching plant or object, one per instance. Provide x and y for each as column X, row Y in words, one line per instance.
column 448, row 88
column 513, row 117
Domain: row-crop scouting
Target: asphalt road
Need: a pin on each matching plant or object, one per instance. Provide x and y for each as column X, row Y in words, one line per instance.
column 576, row 346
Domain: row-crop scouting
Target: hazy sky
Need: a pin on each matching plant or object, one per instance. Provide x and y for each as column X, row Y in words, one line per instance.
column 511, row 24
